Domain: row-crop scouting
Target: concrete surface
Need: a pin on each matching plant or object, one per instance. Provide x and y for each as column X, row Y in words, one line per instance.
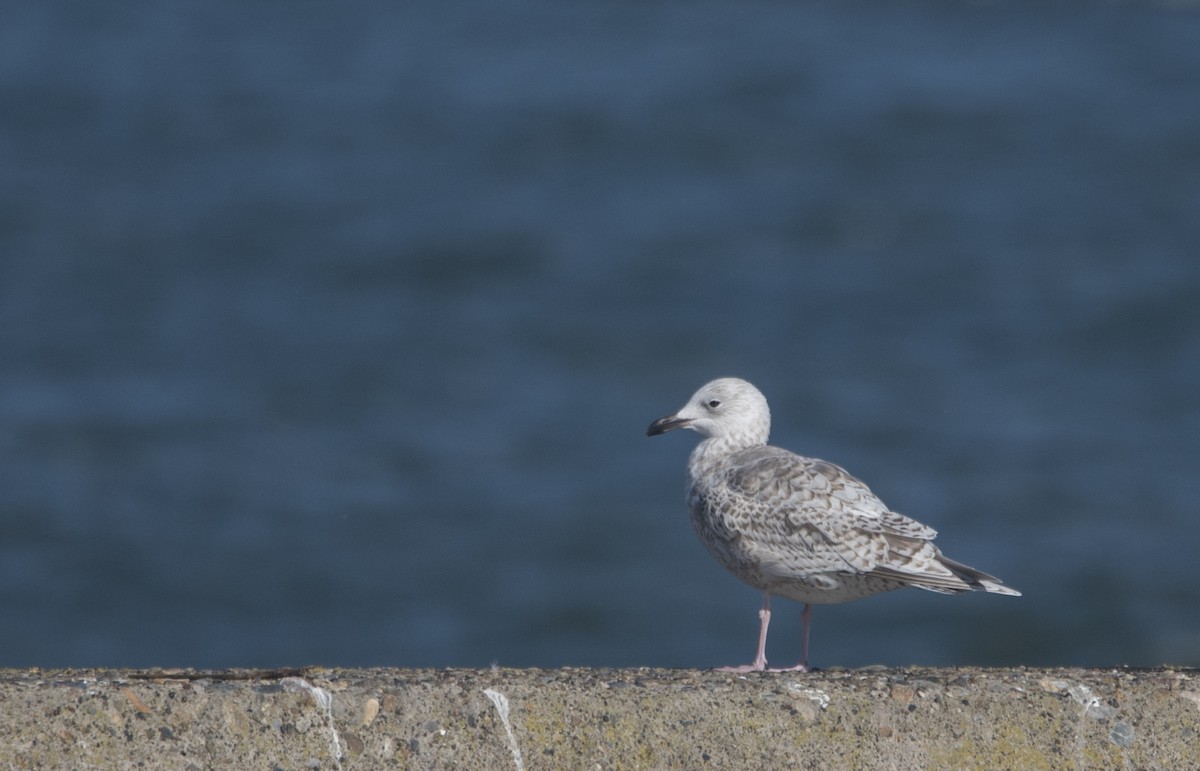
column 873, row 718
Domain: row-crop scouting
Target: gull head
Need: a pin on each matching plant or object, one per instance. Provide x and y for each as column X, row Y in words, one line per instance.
column 728, row 408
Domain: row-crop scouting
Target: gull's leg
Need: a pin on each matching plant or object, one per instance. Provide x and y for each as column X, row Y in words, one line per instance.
column 806, row 620
column 760, row 660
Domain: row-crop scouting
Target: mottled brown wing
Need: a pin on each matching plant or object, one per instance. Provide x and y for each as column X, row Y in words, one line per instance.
column 812, row 517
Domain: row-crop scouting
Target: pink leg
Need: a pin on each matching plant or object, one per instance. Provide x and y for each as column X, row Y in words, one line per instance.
column 806, row 620
column 760, row 660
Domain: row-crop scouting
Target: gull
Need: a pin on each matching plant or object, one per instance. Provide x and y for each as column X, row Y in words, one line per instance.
column 796, row 527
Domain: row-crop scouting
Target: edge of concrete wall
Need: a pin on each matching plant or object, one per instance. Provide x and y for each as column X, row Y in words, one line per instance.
column 600, row 718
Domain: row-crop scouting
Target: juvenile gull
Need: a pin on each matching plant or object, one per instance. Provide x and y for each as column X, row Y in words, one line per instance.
column 797, row 527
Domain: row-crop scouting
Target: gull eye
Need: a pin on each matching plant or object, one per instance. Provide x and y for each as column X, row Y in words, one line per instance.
column 714, row 403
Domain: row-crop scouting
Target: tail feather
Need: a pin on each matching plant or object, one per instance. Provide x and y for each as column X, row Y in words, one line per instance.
column 977, row 580
column 944, row 576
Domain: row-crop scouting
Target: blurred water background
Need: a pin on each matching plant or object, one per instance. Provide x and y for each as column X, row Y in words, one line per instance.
column 329, row 332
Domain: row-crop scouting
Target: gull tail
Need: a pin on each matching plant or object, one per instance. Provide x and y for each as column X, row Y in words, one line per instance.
column 977, row 580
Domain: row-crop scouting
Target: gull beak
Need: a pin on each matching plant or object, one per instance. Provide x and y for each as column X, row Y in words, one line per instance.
column 669, row 423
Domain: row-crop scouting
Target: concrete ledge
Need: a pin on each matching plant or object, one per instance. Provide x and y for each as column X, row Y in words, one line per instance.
column 600, row 719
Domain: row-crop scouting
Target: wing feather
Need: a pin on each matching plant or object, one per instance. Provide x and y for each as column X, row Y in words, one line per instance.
column 813, row 517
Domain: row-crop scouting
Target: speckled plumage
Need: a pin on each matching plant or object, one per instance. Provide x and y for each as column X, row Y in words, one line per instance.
column 798, row 527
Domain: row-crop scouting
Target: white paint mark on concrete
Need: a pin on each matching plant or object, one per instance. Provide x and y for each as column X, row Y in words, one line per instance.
column 501, row 703
column 816, row 695
column 324, row 702
column 1092, row 707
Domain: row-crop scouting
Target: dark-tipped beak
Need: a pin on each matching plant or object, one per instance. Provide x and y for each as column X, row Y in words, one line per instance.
column 663, row 425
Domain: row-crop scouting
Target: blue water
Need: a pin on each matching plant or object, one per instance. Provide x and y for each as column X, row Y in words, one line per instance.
column 329, row 333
